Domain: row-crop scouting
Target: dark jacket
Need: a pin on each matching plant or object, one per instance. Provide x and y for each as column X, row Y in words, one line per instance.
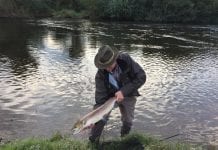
column 131, row 78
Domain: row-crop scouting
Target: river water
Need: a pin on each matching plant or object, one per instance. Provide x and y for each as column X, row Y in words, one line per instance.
column 47, row 77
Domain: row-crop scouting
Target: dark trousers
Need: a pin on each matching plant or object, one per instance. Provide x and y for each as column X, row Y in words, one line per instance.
column 127, row 107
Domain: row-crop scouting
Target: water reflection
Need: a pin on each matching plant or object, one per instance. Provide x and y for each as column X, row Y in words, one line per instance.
column 13, row 46
column 77, row 41
column 47, row 76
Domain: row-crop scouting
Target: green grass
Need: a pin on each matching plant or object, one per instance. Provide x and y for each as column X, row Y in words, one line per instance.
column 67, row 13
column 130, row 142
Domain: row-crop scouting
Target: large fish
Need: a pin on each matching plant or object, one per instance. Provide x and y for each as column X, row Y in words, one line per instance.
column 94, row 116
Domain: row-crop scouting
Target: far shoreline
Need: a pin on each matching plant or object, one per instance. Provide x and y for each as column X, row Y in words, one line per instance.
column 104, row 20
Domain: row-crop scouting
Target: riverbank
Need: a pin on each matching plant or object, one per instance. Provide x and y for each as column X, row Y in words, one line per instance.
column 133, row 141
column 177, row 11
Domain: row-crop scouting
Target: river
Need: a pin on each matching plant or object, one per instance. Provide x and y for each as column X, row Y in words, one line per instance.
column 47, row 77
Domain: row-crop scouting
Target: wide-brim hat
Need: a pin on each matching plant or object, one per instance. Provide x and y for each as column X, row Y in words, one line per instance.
column 105, row 57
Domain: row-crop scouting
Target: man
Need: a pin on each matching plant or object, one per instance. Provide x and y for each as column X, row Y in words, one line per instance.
column 120, row 76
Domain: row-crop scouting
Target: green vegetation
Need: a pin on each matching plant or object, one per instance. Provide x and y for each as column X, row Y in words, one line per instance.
column 67, row 13
column 172, row 11
column 133, row 141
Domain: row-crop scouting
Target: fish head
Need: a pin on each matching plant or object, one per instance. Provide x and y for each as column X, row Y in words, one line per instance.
column 78, row 126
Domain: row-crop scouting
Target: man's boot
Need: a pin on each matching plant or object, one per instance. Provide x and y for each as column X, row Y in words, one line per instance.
column 96, row 131
column 125, row 130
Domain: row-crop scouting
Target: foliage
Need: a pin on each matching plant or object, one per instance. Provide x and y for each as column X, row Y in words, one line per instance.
column 36, row 7
column 179, row 11
column 120, row 9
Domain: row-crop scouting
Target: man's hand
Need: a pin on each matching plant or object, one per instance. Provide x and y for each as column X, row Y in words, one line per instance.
column 119, row 96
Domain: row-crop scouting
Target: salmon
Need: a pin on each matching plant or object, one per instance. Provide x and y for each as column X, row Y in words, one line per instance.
column 94, row 116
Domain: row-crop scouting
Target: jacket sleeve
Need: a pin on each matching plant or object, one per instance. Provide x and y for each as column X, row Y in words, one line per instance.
column 139, row 76
column 100, row 88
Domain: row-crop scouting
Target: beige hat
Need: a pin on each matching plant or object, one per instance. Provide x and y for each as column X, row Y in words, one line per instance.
column 105, row 57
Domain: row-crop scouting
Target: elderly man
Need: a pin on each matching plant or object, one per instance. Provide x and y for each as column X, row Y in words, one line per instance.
column 120, row 76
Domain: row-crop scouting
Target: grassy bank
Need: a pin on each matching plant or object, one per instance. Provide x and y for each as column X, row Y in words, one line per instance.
column 133, row 141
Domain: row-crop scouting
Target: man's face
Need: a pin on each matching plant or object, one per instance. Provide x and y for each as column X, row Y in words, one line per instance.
column 111, row 67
